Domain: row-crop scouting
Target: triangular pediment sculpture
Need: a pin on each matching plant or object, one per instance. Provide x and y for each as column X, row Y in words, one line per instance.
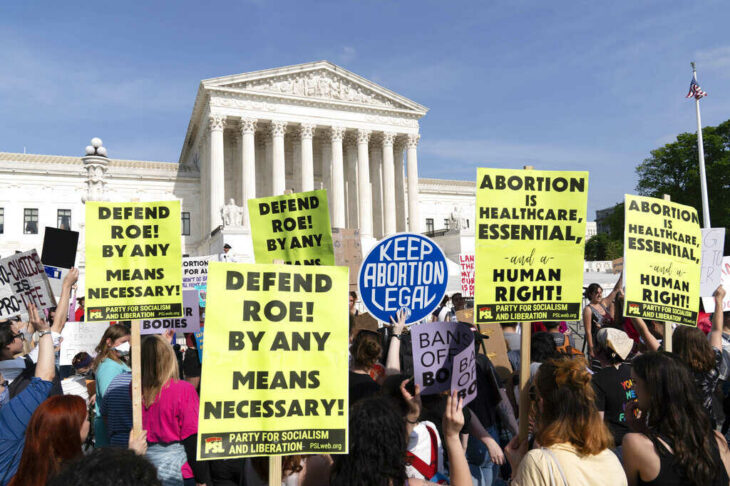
column 316, row 81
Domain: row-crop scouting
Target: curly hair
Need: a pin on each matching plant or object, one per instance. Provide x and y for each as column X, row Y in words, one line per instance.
column 569, row 412
column 676, row 413
column 378, row 446
column 109, row 466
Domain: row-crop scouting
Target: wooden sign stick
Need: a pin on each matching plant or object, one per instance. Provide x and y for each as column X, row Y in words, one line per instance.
column 136, row 379
column 668, row 329
column 525, row 343
column 275, row 471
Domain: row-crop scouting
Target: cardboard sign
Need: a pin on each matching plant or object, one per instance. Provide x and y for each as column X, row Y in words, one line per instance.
column 348, row 252
column 709, row 302
column 293, row 228
column 23, row 281
column 133, row 261
column 78, row 337
column 662, row 251
column 495, row 344
column 58, row 255
column 189, row 322
column 529, row 245
column 466, row 260
column 275, row 367
column 443, row 358
column 404, row 271
column 713, row 245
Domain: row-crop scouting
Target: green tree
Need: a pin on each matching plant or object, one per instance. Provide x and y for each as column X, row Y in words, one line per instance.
column 674, row 169
column 596, row 247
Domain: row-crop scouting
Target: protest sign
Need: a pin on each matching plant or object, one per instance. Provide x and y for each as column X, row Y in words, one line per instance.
column 294, row 228
column 189, row 322
column 23, row 281
column 404, row 271
column 348, row 252
column 662, row 250
column 195, row 271
column 275, row 367
column 709, row 302
column 443, row 358
column 713, row 244
column 199, row 343
column 133, row 260
column 529, row 245
column 58, row 255
column 466, row 260
column 78, row 337
column 496, row 349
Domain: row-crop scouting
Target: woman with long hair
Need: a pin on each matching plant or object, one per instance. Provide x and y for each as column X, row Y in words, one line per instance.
column 676, row 443
column 113, row 348
column 169, row 415
column 599, row 312
column 574, row 441
column 54, row 436
column 378, row 436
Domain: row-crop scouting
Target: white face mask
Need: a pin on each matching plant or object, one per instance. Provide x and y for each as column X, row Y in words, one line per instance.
column 122, row 349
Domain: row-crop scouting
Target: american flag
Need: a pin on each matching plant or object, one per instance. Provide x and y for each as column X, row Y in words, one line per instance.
column 695, row 90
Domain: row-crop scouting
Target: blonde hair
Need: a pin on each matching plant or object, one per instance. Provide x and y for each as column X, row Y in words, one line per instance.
column 159, row 366
column 104, row 350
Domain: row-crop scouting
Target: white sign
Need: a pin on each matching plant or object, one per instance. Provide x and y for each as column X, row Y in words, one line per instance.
column 23, row 281
column 189, row 322
column 195, row 271
column 709, row 302
column 78, row 337
column 713, row 243
column 466, row 260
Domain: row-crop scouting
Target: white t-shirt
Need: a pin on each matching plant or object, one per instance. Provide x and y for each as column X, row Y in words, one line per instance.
column 419, row 444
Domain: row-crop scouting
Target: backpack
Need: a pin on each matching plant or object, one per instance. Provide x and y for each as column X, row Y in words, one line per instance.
column 567, row 350
column 23, row 380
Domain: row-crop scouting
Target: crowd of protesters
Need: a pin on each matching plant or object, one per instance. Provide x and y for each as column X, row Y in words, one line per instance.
column 624, row 413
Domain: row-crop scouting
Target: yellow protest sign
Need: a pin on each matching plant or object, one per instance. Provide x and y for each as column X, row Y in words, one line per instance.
column 529, row 245
column 275, row 362
column 293, row 228
column 662, row 252
column 133, row 261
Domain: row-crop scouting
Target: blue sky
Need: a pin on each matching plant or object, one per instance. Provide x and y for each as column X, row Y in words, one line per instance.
column 559, row 85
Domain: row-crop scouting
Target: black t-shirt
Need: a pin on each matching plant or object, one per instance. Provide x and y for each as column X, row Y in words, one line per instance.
column 361, row 386
column 614, row 391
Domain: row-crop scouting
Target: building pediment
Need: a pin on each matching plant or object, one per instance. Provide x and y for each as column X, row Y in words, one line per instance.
column 322, row 81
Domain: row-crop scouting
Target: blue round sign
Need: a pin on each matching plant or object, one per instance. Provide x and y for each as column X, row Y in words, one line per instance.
column 404, row 271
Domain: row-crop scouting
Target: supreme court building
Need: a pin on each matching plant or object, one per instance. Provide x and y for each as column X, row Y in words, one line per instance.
column 257, row 134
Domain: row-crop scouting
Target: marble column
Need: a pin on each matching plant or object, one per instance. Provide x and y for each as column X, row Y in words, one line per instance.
column 400, row 188
column 337, row 198
column 204, row 184
column 376, row 182
column 262, row 163
column 326, row 167
column 278, row 163
column 248, row 164
column 414, row 220
column 306, row 132
column 296, row 143
column 363, row 174
column 389, row 214
column 351, row 180
column 216, row 123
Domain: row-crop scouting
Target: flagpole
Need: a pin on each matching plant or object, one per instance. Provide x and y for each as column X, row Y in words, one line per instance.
column 701, row 150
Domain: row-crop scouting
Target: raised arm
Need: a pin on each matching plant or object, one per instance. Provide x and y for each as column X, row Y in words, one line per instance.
column 392, row 361
column 453, row 422
column 717, row 319
column 59, row 320
column 608, row 300
column 651, row 342
column 45, row 368
column 588, row 326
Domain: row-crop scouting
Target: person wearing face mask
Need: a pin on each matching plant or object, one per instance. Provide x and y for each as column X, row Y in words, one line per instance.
column 109, row 362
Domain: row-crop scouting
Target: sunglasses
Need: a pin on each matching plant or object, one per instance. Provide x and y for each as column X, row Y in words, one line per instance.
column 19, row 335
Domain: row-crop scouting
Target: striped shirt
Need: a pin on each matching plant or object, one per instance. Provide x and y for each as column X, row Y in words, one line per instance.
column 116, row 407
